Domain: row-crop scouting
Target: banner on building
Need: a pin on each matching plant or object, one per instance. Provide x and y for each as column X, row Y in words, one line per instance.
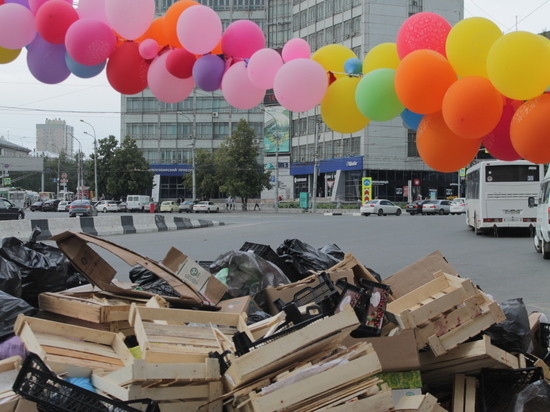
column 366, row 189
column 276, row 129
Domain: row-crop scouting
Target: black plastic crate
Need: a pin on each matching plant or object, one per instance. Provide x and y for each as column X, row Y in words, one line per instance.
column 498, row 387
column 265, row 252
column 545, row 335
column 37, row 383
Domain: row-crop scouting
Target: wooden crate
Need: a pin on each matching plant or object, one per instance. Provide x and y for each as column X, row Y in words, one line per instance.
column 181, row 336
column 464, row 393
column 9, row 369
column 418, row 403
column 72, row 348
column 444, row 312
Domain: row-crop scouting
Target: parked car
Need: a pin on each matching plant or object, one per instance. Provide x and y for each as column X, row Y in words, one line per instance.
column 50, row 205
column 157, row 207
column 169, row 206
column 380, row 207
column 187, row 206
column 415, row 208
column 205, row 206
column 8, row 211
column 36, row 206
column 433, row 207
column 63, row 206
column 458, row 206
column 122, row 207
column 105, row 206
column 138, row 203
column 82, row 208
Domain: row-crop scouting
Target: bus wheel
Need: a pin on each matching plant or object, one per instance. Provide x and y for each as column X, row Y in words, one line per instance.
column 545, row 250
column 537, row 243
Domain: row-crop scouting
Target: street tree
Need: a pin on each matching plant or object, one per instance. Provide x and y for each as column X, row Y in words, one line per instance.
column 205, row 175
column 237, row 167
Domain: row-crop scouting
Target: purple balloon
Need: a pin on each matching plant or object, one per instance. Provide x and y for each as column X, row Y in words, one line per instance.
column 46, row 61
column 208, row 72
column 21, row 2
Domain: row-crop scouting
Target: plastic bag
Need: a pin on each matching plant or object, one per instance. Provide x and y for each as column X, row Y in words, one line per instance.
column 10, row 308
column 534, row 398
column 10, row 278
column 305, row 257
column 150, row 282
column 257, row 317
column 513, row 334
column 334, row 251
column 74, row 277
column 249, row 274
column 12, row 347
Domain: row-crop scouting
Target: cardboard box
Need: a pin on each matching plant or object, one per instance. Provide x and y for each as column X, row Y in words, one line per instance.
column 396, row 353
column 26, row 406
column 194, row 274
column 244, row 304
column 539, row 348
column 286, row 292
column 417, row 274
column 397, row 394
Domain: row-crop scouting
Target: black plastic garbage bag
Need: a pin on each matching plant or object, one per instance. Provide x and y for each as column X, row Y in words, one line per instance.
column 150, row 282
column 249, row 274
column 513, row 334
column 10, row 308
column 10, row 278
column 334, row 251
column 257, row 317
column 304, row 257
column 74, row 277
column 534, row 398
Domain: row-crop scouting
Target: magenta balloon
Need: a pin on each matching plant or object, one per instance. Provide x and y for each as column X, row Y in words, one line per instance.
column 300, row 85
column 208, row 72
column 199, row 29
column 296, row 49
column 498, row 142
column 34, row 5
column 164, row 86
column 130, row 18
column 17, row 26
column 53, row 20
column 92, row 9
column 46, row 61
column 262, row 68
column 242, row 39
column 90, row 41
column 238, row 90
column 148, row 49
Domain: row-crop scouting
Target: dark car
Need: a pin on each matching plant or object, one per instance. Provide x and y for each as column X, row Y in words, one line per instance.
column 36, row 206
column 122, row 207
column 8, row 211
column 415, row 208
column 82, row 208
column 50, row 205
column 187, row 206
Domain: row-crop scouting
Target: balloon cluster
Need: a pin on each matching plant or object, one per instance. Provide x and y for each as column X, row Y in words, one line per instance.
column 459, row 87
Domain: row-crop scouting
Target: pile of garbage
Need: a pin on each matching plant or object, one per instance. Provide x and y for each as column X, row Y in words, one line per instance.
column 296, row 329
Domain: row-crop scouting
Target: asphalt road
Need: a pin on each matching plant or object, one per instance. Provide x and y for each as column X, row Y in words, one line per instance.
column 505, row 267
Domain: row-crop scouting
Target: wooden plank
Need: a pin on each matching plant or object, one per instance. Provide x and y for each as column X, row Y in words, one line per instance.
column 188, row 316
column 470, row 396
column 459, row 392
column 76, row 345
column 438, row 306
column 184, row 331
column 381, row 401
column 420, row 403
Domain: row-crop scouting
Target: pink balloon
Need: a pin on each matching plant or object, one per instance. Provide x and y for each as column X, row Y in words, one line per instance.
column 53, row 20
column 17, row 26
column 498, row 142
column 92, row 9
column 199, row 29
column 90, row 41
column 34, row 5
column 242, row 39
column 300, row 85
column 130, row 18
column 148, row 49
column 296, row 49
column 425, row 30
column 164, row 86
column 238, row 90
column 262, row 68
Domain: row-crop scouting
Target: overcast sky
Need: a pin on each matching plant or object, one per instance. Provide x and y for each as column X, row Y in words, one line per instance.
column 24, row 101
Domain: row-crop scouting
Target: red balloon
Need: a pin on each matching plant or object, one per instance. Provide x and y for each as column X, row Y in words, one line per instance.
column 179, row 63
column 440, row 148
column 127, row 70
column 53, row 19
column 498, row 142
column 424, row 30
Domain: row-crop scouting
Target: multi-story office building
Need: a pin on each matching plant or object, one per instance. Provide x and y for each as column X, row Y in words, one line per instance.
column 168, row 133
column 54, row 136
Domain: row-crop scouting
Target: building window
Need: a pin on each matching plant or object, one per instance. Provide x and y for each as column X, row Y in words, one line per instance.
column 412, row 150
column 415, row 6
column 321, row 11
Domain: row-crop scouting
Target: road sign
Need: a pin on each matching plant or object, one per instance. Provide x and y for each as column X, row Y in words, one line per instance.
column 7, row 181
column 64, row 180
column 63, row 175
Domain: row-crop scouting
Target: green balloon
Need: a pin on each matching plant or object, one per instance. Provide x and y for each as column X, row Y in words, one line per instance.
column 375, row 96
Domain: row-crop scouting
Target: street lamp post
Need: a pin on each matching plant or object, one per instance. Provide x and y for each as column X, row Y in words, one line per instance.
column 276, row 162
column 79, row 168
column 194, row 176
column 95, row 158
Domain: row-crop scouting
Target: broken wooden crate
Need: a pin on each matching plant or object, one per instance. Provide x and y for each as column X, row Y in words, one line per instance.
column 444, row 312
column 9, row 369
column 419, row 403
column 464, row 393
column 181, row 387
column 66, row 347
column 180, row 335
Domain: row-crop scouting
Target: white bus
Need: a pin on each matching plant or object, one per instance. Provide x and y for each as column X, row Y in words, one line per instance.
column 497, row 193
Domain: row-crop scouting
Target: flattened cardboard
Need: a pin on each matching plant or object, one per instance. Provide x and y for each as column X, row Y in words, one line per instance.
column 244, row 304
column 101, row 274
column 417, row 274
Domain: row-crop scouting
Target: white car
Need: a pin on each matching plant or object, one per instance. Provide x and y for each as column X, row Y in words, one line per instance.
column 205, row 206
column 380, row 207
column 458, row 206
column 63, row 206
column 437, row 207
column 105, row 206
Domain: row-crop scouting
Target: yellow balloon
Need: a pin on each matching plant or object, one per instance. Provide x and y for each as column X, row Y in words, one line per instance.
column 333, row 57
column 8, row 55
column 338, row 108
column 468, row 45
column 518, row 65
column 382, row 56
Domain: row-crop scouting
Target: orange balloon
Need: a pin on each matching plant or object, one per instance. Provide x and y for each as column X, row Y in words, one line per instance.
column 218, row 48
column 440, row 148
column 155, row 32
column 472, row 107
column 529, row 129
column 422, row 79
column 171, row 20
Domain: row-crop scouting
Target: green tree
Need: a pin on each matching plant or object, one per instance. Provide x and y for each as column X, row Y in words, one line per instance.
column 205, row 175
column 237, row 167
column 128, row 172
column 105, row 154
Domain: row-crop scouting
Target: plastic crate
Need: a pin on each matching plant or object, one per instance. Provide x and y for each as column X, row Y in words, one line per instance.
column 265, row 252
column 545, row 335
column 498, row 387
column 37, row 383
